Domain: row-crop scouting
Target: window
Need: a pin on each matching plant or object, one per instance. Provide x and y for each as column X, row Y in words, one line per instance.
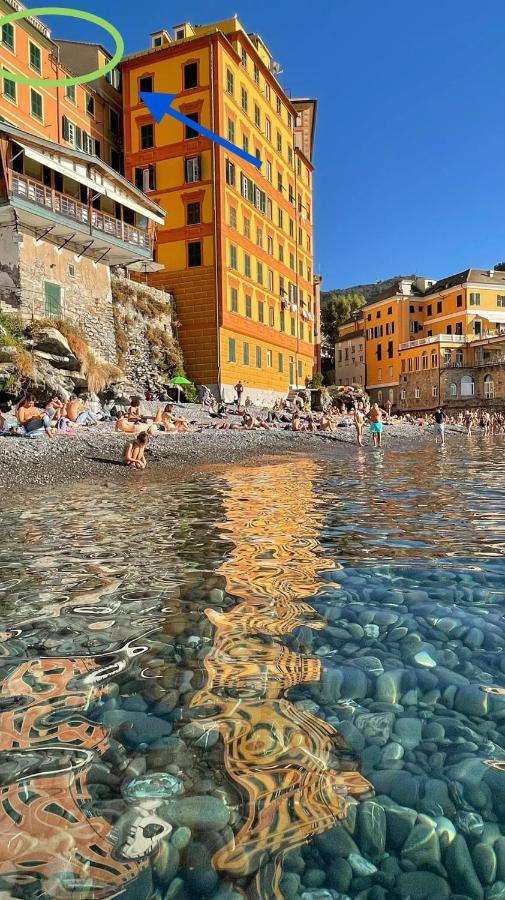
column 146, row 136
column 279, row 142
column 52, row 295
column 268, row 129
column 269, row 359
column 145, row 178
column 434, row 360
column 230, row 86
column 233, row 217
column 474, row 299
column 278, row 105
column 247, row 265
column 244, row 101
column 281, row 253
column 230, row 173
column 245, row 143
column 424, row 361
column 193, row 213
column 35, row 57
column 261, row 312
column 259, row 272
column 194, row 254
column 256, row 74
column 231, row 131
column 70, row 93
column 71, row 271
column 8, row 36
column 390, row 349
column 282, row 320
column 245, row 353
column 259, row 237
column 270, row 245
column 459, row 328
column 244, row 58
column 379, row 351
column 439, row 306
column 280, row 218
column 500, row 300
column 248, row 306
column 258, row 357
column 300, row 368
column 449, row 329
column 270, row 280
column 90, row 105
column 114, row 122
column 234, row 299
column 36, row 104
column 247, row 227
column 488, row 387
column 434, row 391
column 292, row 261
column 268, row 91
column 192, row 169
column 271, row 317
column 190, row 76
column 416, row 363
column 146, row 84
column 189, row 132
column 98, row 148
column 10, row 89
column 268, row 173
column 233, row 257
column 459, row 300
column 417, row 393
column 453, row 389
column 302, row 331
column 293, row 327
column 429, row 309
column 231, row 350
column 257, row 115
column 290, row 155
column 403, row 394
column 467, row 386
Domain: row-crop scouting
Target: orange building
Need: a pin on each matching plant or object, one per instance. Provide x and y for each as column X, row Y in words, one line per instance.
column 86, row 117
column 237, row 248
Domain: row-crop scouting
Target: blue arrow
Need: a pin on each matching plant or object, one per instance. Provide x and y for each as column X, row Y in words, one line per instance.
column 160, row 105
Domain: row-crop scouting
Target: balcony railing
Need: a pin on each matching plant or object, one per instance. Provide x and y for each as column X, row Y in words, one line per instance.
column 38, row 193
column 435, row 339
column 497, row 360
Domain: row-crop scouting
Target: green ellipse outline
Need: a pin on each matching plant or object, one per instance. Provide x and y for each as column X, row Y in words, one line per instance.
column 75, row 14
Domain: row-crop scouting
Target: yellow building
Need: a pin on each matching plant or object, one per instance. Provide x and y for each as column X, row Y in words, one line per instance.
column 236, row 248
column 350, row 364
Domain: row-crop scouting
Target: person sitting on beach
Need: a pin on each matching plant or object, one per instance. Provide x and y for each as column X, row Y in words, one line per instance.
column 326, row 423
column 79, row 413
column 296, row 422
column 166, row 418
column 123, row 425
column 33, row 421
column 376, row 424
column 55, row 408
column 133, row 453
column 134, row 414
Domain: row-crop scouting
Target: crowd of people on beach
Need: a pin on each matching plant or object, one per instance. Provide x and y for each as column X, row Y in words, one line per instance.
column 60, row 416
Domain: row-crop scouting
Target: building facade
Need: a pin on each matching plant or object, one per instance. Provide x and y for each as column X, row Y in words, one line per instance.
column 82, row 117
column 65, row 219
column 237, row 247
column 350, row 362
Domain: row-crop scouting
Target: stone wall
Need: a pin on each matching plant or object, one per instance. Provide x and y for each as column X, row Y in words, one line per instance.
column 452, row 398
column 424, row 382
column 86, row 299
column 144, row 319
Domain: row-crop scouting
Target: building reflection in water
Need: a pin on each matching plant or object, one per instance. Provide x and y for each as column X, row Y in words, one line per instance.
column 295, row 772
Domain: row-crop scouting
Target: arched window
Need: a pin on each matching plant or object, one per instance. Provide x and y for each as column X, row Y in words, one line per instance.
column 391, row 395
column 488, row 388
column 453, row 389
column 424, row 361
column 467, row 386
column 379, row 396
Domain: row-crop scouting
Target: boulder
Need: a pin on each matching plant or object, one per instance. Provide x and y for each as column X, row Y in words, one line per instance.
column 50, row 340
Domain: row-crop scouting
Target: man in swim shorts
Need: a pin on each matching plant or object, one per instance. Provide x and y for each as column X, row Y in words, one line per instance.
column 376, row 424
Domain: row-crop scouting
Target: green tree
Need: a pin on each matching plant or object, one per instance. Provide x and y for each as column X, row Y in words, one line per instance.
column 337, row 309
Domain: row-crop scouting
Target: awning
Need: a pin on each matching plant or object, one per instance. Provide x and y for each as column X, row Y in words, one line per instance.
column 79, row 171
column 496, row 315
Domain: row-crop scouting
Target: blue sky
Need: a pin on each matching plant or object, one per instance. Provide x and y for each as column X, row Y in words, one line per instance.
column 410, row 141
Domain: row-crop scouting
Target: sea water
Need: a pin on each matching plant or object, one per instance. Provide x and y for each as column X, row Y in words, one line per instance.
column 285, row 679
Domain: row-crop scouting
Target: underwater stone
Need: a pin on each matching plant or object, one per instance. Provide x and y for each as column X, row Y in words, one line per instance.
column 408, row 732
column 462, row 874
column 202, row 813
column 469, row 823
column 484, row 860
column 156, row 786
column 422, row 886
column 360, row 865
column 339, row 875
column 372, row 829
column 422, row 846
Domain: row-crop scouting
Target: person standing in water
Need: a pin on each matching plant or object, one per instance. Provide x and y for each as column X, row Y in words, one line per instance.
column 440, row 426
column 376, row 424
column 359, row 422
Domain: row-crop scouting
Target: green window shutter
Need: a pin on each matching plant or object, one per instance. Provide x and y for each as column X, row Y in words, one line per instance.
column 65, row 128
column 78, row 137
column 52, row 293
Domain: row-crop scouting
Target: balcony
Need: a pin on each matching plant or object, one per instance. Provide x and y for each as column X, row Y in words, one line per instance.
column 435, row 339
column 85, row 216
column 498, row 359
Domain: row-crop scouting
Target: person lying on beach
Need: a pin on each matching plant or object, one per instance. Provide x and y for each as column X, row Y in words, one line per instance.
column 133, row 453
column 33, row 421
column 122, row 424
column 251, row 423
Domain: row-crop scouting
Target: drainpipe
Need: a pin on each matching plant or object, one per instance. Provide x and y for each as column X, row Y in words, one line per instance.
column 58, row 123
column 214, row 215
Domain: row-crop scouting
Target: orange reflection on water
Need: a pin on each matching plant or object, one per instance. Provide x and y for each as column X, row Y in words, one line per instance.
column 294, row 769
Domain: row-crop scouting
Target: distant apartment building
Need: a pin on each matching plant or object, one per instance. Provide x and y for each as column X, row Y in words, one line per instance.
column 429, row 342
column 350, row 362
column 65, row 219
column 86, row 117
column 237, row 246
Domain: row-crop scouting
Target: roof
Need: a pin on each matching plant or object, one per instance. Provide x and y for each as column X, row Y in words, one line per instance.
column 86, row 44
column 482, row 276
column 392, row 291
column 24, row 137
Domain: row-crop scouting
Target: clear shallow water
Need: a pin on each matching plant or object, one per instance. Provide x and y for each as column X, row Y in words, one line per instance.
column 276, row 681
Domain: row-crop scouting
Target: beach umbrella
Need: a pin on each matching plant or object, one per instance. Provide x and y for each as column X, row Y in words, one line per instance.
column 177, row 382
